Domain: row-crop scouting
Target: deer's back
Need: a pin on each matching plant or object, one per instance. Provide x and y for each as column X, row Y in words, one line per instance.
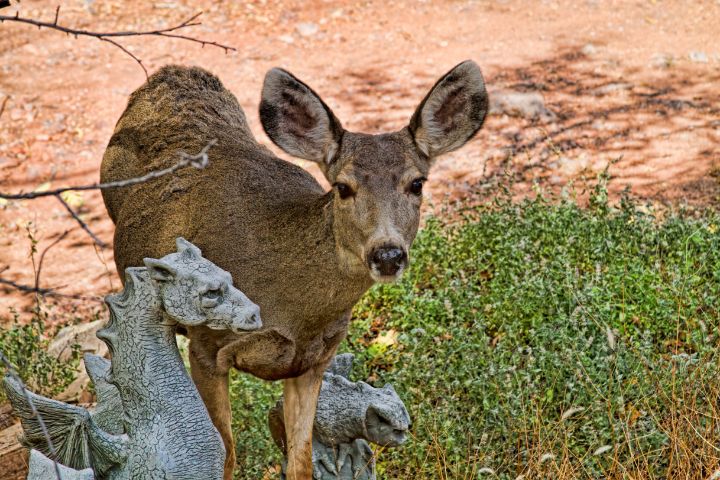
column 178, row 109
column 257, row 216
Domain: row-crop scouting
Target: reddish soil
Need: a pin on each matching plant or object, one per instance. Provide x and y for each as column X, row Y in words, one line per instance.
column 635, row 82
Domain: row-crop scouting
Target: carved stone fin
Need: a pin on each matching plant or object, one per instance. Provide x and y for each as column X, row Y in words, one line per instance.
column 341, row 365
column 108, row 414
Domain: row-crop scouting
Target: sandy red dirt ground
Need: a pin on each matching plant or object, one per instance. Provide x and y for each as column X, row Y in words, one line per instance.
column 629, row 82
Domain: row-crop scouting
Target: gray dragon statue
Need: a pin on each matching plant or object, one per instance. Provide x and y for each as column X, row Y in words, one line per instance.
column 149, row 422
column 349, row 415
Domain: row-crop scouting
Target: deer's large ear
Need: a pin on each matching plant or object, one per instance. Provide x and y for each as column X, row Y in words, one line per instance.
column 297, row 120
column 159, row 270
column 452, row 112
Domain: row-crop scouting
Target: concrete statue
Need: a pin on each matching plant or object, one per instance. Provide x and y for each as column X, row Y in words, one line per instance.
column 150, row 421
column 349, row 415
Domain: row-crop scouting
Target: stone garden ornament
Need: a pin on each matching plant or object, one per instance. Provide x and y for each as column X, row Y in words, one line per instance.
column 349, row 415
column 150, row 421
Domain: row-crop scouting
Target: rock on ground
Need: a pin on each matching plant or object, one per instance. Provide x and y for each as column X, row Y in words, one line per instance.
column 83, row 335
column 529, row 105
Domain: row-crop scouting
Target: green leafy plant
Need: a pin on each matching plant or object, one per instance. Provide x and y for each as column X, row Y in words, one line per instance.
column 542, row 339
column 25, row 346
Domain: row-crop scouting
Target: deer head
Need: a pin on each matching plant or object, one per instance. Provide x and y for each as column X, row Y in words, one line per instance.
column 377, row 179
column 195, row 291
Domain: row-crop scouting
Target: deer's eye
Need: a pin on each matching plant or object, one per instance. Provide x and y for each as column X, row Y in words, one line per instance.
column 344, row 190
column 416, row 186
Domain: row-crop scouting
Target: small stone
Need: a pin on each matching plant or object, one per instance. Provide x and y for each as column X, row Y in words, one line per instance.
column 699, row 57
column 42, row 137
column 589, row 49
column 530, row 105
column 572, row 166
column 661, row 60
column 287, row 39
column 612, row 88
column 84, row 335
column 307, row 29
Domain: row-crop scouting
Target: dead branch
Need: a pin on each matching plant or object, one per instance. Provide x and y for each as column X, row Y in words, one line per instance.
column 199, row 160
column 47, row 292
column 108, row 36
column 42, row 257
column 3, row 104
column 83, row 225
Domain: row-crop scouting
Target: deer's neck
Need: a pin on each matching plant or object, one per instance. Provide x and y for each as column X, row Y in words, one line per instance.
column 341, row 273
column 146, row 365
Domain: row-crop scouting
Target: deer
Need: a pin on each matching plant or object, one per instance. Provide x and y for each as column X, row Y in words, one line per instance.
column 312, row 252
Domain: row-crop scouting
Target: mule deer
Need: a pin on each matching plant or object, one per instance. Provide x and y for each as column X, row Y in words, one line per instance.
column 312, row 253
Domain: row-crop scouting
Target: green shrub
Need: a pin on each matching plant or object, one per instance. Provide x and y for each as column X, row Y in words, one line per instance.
column 542, row 339
column 541, row 330
column 25, row 346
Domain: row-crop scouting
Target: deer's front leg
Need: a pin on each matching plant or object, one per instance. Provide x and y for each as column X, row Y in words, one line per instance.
column 212, row 384
column 301, row 394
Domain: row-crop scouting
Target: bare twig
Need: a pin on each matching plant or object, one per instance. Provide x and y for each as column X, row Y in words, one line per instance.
column 3, row 104
column 106, row 36
column 51, row 448
column 42, row 257
column 84, row 226
column 199, row 160
column 47, row 292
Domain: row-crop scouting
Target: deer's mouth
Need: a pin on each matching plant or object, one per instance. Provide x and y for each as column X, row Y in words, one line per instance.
column 381, row 278
column 387, row 263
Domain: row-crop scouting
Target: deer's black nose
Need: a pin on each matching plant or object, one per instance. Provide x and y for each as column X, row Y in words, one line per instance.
column 387, row 260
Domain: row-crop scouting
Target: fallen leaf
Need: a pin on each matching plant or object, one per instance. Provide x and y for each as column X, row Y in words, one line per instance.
column 387, row 339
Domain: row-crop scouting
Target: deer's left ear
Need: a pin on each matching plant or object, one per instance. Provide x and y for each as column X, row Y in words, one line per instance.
column 297, row 120
column 452, row 112
column 159, row 270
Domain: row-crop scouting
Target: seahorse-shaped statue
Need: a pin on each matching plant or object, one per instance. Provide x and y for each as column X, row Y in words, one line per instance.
column 150, row 421
column 349, row 415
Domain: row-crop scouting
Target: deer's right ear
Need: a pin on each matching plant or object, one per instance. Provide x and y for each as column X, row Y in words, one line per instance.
column 452, row 112
column 297, row 120
column 159, row 270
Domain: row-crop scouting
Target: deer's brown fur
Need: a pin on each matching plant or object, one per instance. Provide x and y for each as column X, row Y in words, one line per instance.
column 304, row 255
